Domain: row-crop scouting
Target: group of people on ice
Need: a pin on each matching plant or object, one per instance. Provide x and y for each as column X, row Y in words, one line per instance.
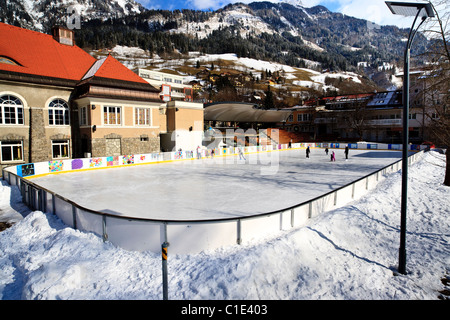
column 332, row 155
column 308, row 152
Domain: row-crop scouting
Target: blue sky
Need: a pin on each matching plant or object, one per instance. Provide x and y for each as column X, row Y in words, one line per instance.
column 372, row 10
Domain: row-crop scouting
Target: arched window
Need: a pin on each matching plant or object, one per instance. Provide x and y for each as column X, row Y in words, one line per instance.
column 11, row 110
column 58, row 113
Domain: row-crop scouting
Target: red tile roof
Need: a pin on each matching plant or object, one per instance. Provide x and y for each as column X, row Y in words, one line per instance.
column 111, row 68
column 40, row 54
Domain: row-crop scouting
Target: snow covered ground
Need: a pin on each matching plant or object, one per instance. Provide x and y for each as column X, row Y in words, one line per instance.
column 347, row 253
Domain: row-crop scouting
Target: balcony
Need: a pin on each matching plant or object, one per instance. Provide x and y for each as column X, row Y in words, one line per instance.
column 385, row 122
column 324, row 120
column 175, row 94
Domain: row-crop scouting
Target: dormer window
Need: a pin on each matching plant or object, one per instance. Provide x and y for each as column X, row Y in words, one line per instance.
column 7, row 60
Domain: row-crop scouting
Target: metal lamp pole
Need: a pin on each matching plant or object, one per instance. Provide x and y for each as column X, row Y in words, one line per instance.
column 425, row 10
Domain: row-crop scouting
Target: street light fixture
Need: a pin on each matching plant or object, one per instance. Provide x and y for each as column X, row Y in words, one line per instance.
column 423, row 10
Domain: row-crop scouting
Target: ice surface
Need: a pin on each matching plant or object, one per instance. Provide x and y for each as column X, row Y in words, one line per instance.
column 223, row 187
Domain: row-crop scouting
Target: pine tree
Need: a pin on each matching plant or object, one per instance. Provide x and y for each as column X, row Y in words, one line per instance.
column 269, row 100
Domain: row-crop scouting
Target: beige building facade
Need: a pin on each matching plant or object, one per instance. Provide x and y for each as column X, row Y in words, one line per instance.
column 58, row 102
column 35, row 122
column 112, row 127
column 184, row 126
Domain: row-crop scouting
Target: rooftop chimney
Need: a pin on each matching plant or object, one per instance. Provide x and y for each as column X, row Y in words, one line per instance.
column 63, row 35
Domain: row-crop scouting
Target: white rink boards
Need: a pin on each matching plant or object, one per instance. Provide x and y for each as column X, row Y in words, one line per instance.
column 219, row 188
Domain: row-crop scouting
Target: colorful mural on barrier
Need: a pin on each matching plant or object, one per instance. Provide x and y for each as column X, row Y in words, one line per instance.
column 95, row 162
column 55, row 165
column 394, row 147
column 128, row 159
column 189, row 154
column 178, row 155
column 25, row 170
column 112, row 161
column 77, row 164
column 155, row 156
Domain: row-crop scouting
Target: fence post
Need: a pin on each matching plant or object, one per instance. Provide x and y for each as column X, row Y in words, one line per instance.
column 239, row 239
column 44, row 201
column 292, row 217
column 29, row 194
column 39, row 202
column 310, row 210
column 53, row 204
column 105, row 234
column 164, row 270
column 74, row 217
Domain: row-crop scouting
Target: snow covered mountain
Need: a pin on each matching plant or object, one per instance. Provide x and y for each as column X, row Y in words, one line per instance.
column 41, row 15
column 288, row 30
column 282, row 32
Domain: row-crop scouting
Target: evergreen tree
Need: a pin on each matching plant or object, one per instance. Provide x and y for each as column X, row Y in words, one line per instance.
column 269, row 99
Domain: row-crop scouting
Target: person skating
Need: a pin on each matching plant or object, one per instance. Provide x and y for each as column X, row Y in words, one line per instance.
column 308, row 151
column 241, row 154
column 346, row 152
column 333, row 157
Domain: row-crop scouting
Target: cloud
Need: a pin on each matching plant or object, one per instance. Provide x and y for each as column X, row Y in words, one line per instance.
column 374, row 11
column 207, row 4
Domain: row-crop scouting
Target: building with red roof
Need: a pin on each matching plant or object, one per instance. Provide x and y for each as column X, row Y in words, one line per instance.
column 57, row 101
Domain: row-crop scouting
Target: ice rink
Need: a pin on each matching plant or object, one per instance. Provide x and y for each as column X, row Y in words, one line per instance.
column 223, row 187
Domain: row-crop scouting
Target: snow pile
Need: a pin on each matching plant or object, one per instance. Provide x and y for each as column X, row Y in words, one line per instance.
column 248, row 63
column 347, row 253
column 344, row 75
column 132, row 57
column 125, row 52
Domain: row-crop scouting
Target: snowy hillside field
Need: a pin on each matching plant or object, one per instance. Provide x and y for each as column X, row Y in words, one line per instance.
column 345, row 254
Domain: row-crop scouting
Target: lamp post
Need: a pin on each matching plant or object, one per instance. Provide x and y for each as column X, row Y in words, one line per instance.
column 414, row 9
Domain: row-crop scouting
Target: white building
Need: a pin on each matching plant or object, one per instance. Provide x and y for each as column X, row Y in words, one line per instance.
column 172, row 86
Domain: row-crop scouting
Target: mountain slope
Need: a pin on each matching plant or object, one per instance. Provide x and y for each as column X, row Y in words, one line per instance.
column 41, row 15
column 333, row 39
column 279, row 32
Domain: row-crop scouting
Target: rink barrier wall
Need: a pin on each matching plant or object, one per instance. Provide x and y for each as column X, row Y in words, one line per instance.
column 188, row 236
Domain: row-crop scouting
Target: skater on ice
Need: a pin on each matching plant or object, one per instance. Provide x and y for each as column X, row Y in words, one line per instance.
column 346, row 152
column 333, row 157
column 241, row 154
column 326, row 151
column 307, row 152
